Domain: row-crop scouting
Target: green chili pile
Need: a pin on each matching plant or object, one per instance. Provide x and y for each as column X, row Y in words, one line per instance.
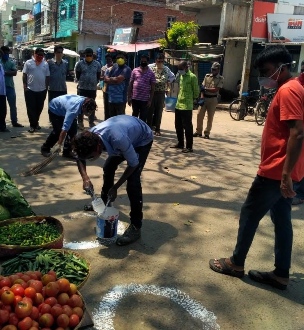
column 28, row 234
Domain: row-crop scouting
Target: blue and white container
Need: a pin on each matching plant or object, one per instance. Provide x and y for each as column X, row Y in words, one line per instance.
column 107, row 222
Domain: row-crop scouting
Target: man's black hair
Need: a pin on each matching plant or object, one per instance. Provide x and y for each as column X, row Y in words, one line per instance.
column 276, row 54
column 146, row 56
column 160, row 56
column 39, row 50
column 5, row 49
column 120, row 55
column 302, row 63
column 108, row 55
column 90, row 105
column 57, row 47
column 85, row 143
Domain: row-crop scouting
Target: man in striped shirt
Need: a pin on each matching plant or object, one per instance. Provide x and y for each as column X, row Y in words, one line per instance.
column 141, row 89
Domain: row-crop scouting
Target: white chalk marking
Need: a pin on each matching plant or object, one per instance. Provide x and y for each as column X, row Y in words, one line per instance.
column 104, row 315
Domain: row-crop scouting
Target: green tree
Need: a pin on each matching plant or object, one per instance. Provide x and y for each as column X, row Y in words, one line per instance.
column 181, row 35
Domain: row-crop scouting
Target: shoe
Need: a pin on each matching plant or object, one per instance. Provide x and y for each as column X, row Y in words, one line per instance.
column 129, row 236
column 17, row 125
column 267, row 278
column 186, row 150
column 37, row 128
column 80, row 125
column 92, row 124
column 31, row 130
column 197, row 135
column 177, row 146
column 45, row 153
column 297, row 201
column 206, row 137
column 4, row 130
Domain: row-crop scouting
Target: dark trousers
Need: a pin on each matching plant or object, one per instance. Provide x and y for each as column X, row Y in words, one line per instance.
column 53, row 94
column 106, row 105
column 52, row 139
column 91, row 94
column 134, row 189
column 298, row 187
column 116, row 109
column 140, row 109
column 265, row 195
column 3, row 111
column 155, row 112
column 34, row 104
column 183, row 122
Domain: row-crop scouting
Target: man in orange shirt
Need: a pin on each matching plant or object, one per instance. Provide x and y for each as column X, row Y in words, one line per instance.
column 282, row 161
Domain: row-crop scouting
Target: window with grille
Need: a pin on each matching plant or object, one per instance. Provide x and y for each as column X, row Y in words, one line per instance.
column 170, row 20
column 138, row 18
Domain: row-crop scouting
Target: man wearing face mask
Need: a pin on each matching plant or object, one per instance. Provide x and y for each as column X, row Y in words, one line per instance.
column 117, row 79
column 209, row 92
column 10, row 71
column 3, row 108
column 188, row 92
column 35, row 78
column 282, row 162
column 163, row 76
column 141, row 89
column 88, row 75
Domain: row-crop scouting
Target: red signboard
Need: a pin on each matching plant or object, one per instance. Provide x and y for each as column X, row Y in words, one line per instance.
column 259, row 31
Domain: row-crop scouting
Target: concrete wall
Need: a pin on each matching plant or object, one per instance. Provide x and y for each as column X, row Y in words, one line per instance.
column 234, row 20
column 233, row 63
column 209, row 16
column 90, row 40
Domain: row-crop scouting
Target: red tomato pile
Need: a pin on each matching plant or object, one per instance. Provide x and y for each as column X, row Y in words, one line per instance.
column 32, row 301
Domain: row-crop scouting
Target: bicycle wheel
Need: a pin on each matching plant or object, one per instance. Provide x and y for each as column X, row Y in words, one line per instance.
column 260, row 113
column 237, row 109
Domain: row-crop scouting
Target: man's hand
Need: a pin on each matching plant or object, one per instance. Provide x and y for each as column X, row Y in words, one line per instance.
column 57, row 148
column 149, row 104
column 287, row 187
column 201, row 102
column 88, row 186
column 129, row 101
column 112, row 194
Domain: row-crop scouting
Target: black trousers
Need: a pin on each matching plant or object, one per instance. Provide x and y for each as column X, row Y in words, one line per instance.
column 91, row 94
column 140, row 109
column 134, row 189
column 57, row 122
column 183, row 122
column 116, row 109
column 3, row 111
column 53, row 94
column 106, row 105
column 34, row 105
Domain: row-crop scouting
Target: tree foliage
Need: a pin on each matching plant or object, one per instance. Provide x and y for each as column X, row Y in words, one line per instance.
column 180, row 35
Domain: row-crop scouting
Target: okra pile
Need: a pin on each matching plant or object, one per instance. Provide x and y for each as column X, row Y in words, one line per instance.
column 65, row 264
column 28, row 234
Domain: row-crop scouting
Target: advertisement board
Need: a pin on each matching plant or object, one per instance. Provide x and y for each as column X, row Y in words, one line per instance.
column 285, row 28
column 259, row 31
column 292, row 2
column 124, row 36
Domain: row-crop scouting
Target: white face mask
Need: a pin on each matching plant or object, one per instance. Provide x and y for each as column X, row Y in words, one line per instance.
column 269, row 82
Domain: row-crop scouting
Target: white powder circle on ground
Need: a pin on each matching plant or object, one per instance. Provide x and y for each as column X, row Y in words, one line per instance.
column 104, row 315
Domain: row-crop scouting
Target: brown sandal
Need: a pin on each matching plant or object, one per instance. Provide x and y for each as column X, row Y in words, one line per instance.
column 225, row 268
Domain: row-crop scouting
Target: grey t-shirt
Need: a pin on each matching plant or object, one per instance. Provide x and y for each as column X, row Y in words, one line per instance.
column 58, row 73
column 88, row 74
column 36, row 75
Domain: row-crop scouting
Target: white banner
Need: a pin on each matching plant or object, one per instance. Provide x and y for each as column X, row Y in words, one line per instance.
column 285, row 28
column 292, row 2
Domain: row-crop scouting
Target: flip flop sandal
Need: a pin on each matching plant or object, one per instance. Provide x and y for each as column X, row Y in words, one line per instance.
column 225, row 268
column 266, row 278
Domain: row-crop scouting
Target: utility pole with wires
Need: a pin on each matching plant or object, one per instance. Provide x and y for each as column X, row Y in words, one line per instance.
column 56, row 20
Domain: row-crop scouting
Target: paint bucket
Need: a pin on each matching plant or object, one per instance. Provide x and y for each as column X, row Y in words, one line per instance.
column 107, row 222
column 170, row 103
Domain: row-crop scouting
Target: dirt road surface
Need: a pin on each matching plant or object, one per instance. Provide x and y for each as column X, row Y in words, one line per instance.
column 191, row 208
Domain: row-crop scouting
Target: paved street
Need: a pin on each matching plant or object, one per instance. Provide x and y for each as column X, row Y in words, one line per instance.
column 191, row 209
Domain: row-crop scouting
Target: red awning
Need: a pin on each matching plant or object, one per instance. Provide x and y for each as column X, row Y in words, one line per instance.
column 134, row 48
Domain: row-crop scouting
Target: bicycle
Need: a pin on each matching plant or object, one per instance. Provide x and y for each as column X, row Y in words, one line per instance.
column 263, row 106
column 245, row 105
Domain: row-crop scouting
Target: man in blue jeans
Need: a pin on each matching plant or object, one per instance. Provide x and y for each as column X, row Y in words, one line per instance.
column 125, row 138
column 282, row 161
column 10, row 71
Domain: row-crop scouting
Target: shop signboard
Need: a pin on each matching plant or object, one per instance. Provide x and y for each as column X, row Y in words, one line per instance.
column 124, row 36
column 259, row 20
column 292, row 2
column 285, row 28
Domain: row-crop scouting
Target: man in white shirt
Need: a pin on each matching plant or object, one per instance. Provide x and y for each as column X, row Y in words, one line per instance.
column 35, row 78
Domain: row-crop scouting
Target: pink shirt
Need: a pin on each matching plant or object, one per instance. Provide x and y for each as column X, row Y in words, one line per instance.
column 143, row 80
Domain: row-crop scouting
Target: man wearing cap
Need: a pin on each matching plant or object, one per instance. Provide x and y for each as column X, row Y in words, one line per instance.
column 209, row 91
column 88, row 75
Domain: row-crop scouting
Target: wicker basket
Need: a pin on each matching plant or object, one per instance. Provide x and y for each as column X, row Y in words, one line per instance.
column 86, row 320
column 7, row 251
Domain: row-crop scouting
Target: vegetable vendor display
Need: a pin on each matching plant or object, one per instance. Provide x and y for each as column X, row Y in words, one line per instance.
column 12, row 203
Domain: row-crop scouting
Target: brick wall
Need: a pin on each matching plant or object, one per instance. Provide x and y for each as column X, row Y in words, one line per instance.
column 97, row 17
